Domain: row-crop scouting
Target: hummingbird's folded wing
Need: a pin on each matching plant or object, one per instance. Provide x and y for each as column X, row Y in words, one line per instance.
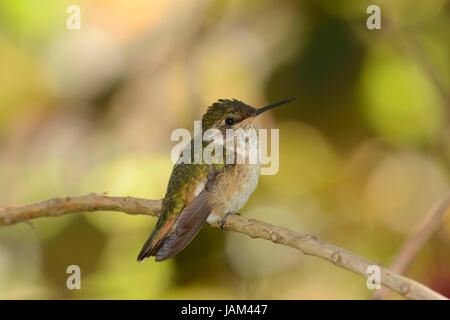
column 187, row 226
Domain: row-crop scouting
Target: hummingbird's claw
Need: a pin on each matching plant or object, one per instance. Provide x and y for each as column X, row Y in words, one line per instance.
column 224, row 219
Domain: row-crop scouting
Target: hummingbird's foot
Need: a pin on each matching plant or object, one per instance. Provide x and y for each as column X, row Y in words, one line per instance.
column 224, row 219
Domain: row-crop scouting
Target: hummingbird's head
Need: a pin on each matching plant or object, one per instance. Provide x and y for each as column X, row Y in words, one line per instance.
column 233, row 114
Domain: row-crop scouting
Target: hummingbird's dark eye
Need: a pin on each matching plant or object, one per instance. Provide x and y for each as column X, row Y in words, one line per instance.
column 229, row 121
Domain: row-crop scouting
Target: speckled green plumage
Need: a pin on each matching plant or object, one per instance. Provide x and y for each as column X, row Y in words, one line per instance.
column 183, row 183
column 223, row 108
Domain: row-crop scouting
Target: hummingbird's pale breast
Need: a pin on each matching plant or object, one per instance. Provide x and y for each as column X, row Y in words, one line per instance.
column 237, row 182
column 233, row 189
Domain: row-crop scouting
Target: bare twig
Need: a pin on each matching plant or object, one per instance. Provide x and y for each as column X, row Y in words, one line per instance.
column 411, row 246
column 305, row 243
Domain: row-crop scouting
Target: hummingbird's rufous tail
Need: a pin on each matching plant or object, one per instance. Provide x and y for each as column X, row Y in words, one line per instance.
column 164, row 243
column 154, row 242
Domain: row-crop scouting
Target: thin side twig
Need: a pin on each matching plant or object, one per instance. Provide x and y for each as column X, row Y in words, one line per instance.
column 305, row 243
column 412, row 245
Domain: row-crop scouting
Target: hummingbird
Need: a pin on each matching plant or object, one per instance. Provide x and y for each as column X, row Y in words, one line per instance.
column 200, row 193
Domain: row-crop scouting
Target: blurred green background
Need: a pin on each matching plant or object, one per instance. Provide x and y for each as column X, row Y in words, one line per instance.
column 364, row 150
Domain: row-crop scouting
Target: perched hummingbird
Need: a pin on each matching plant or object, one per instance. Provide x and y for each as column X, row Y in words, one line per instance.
column 199, row 193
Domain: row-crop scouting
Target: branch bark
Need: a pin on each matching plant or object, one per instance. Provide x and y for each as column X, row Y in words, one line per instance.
column 305, row 243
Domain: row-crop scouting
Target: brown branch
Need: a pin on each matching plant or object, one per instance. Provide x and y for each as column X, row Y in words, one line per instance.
column 411, row 246
column 255, row 229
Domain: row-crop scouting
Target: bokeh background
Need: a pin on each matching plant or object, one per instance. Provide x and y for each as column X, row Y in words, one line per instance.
column 364, row 150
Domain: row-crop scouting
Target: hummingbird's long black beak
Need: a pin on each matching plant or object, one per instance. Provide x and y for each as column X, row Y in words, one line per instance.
column 270, row 106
